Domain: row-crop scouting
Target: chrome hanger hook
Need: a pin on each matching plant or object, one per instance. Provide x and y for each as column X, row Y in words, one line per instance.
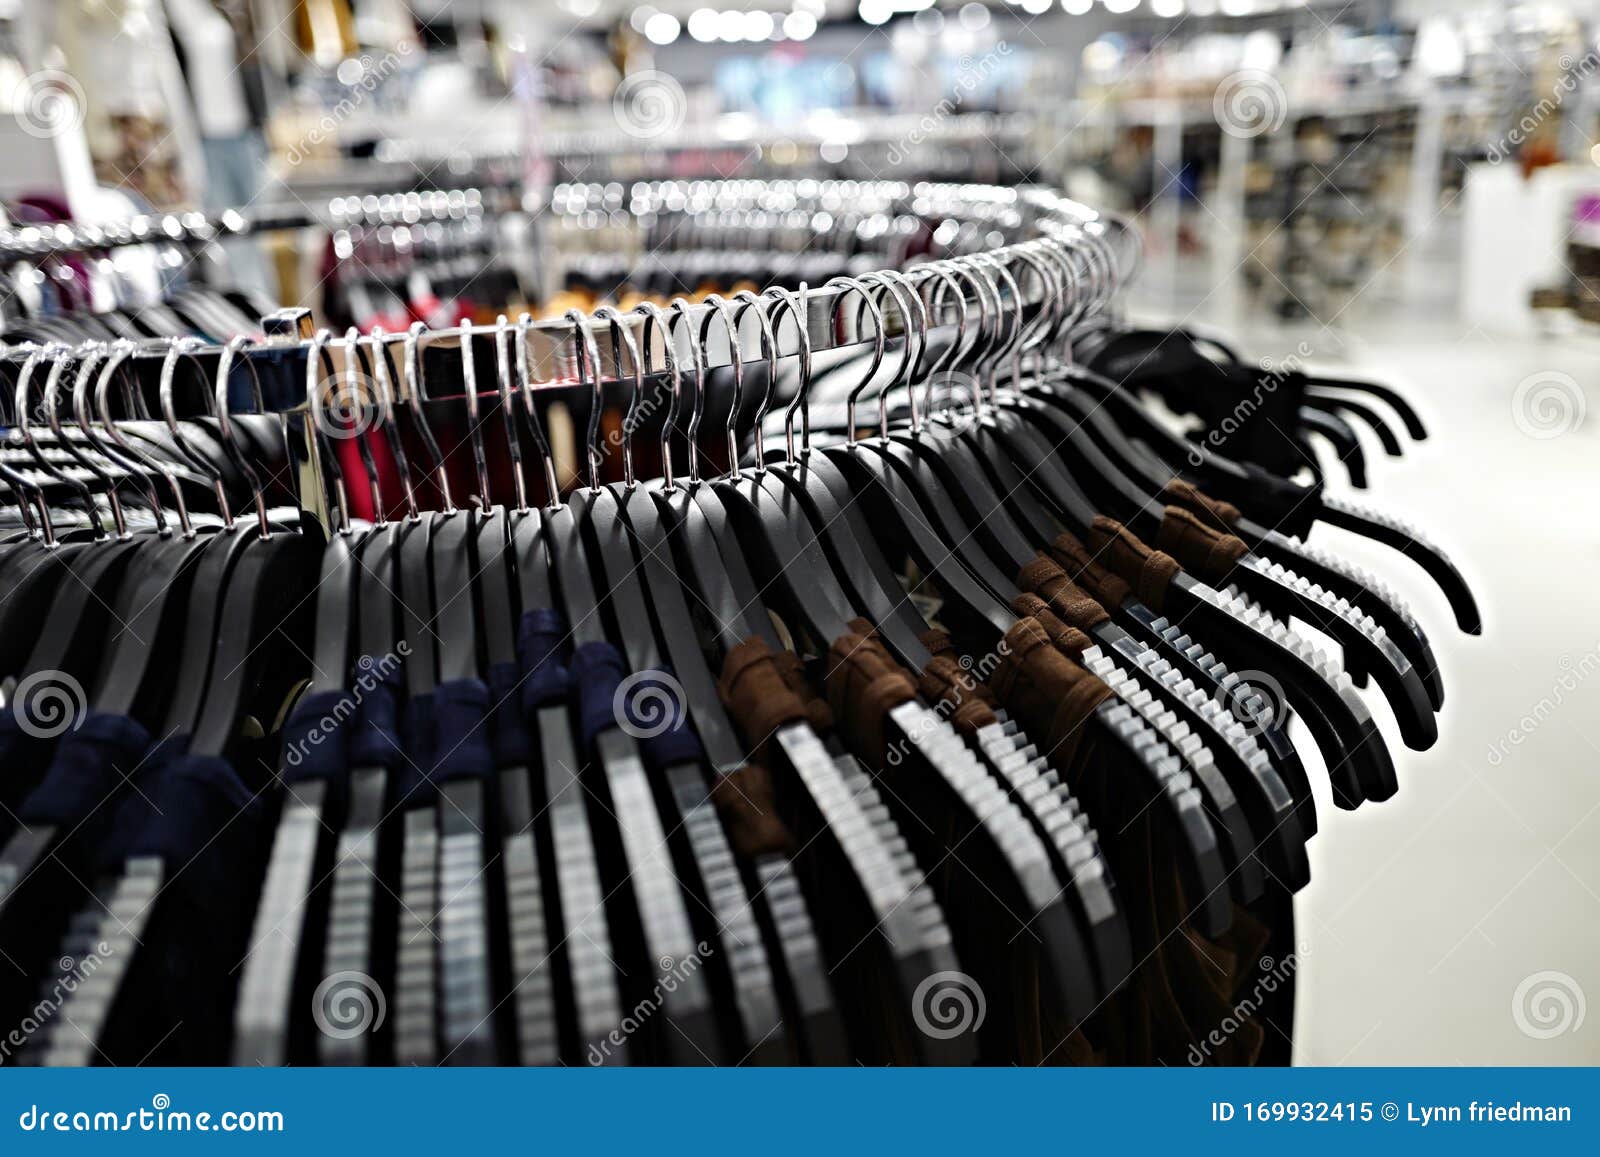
column 622, row 336
column 469, row 381
column 718, row 309
column 656, row 322
column 508, row 413
column 525, row 386
column 589, row 372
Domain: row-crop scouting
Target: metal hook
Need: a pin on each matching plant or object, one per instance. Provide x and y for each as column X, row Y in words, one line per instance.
column 356, row 382
column 25, row 486
column 225, row 428
column 895, row 287
column 958, row 348
column 851, row 285
column 413, row 392
column 121, row 351
column 797, row 304
column 169, row 366
column 90, row 356
column 552, row 487
column 480, row 461
column 589, row 372
column 680, row 312
column 718, row 308
column 382, row 370
column 116, row 456
column 324, row 463
column 769, row 351
column 508, row 413
column 656, row 320
column 622, row 335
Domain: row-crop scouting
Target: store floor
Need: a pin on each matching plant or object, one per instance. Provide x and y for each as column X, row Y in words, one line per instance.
column 1459, row 923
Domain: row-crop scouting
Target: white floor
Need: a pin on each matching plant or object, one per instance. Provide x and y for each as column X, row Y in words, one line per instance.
column 1459, row 923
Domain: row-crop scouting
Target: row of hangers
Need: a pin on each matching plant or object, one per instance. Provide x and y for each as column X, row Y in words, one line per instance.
column 821, row 944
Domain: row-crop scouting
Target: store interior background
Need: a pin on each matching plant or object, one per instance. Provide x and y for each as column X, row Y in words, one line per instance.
column 1387, row 187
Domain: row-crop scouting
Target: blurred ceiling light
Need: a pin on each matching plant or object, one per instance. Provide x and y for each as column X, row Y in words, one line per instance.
column 817, row 8
column 757, row 25
column 974, row 16
column 929, row 20
column 1167, row 8
column 876, row 11
column 641, row 16
column 662, row 28
column 1076, row 7
column 1035, row 7
column 703, row 25
column 1439, row 51
column 730, row 26
column 582, row 9
column 1238, row 7
column 799, row 25
column 1121, row 6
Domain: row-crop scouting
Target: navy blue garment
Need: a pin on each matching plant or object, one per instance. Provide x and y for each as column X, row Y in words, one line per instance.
column 91, row 764
column 507, row 732
column 375, row 739
column 137, row 808
column 413, row 775
column 23, row 759
column 461, row 731
column 541, row 641
column 314, row 742
column 209, row 832
column 658, row 713
column 597, row 674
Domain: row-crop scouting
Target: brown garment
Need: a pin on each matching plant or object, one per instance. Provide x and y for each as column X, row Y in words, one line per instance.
column 1051, row 697
column 748, row 804
column 1214, row 512
column 863, row 685
column 1070, row 602
column 1088, row 572
column 753, row 689
column 957, row 694
column 1206, row 552
column 792, row 668
column 1148, row 572
column 1070, row 641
